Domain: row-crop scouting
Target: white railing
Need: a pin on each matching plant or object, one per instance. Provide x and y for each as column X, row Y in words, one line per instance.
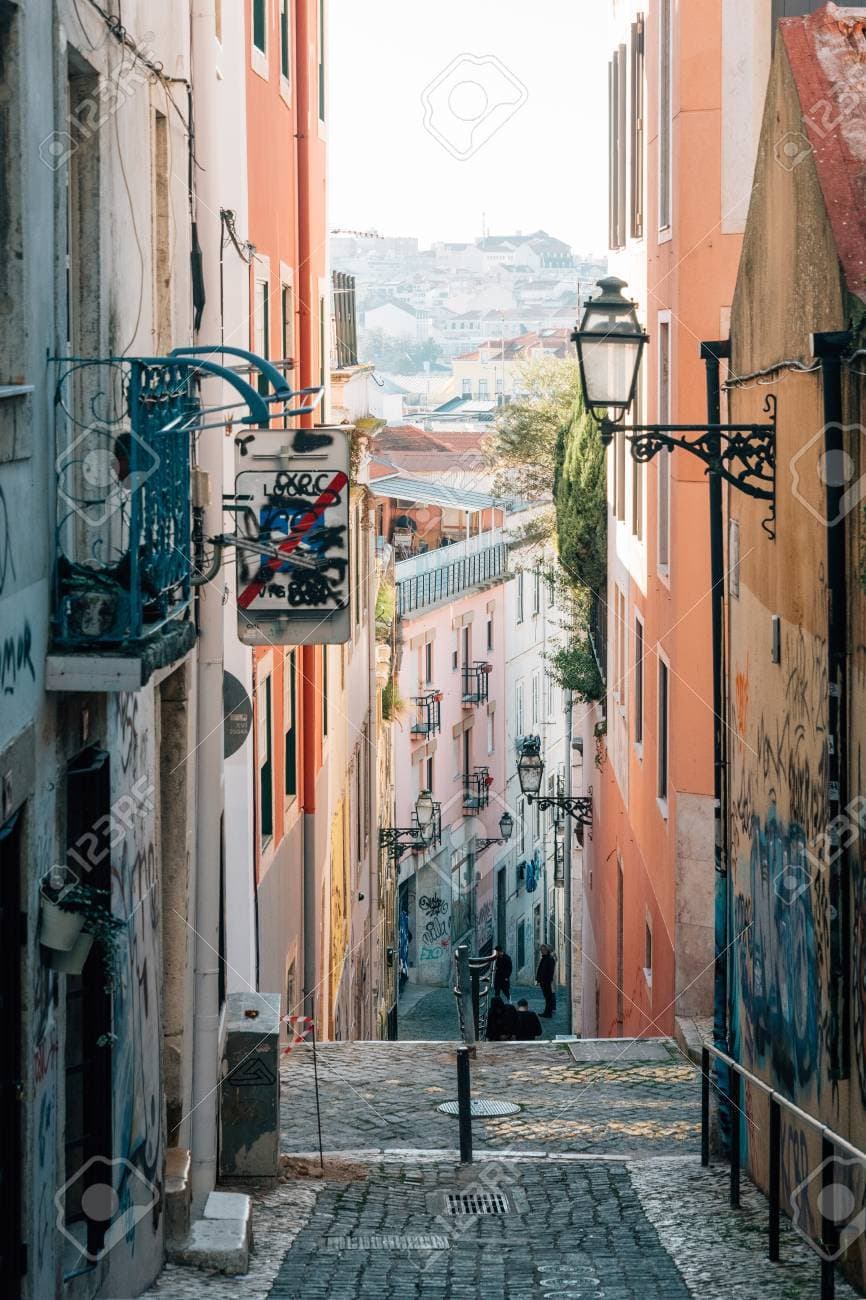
column 428, row 561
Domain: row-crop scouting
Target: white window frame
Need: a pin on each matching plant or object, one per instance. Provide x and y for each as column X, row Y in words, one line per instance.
column 665, row 122
column 664, row 459
column 258, row 56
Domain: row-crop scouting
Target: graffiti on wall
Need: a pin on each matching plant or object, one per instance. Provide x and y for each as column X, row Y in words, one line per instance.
column 137, row 1051
column 436, row 931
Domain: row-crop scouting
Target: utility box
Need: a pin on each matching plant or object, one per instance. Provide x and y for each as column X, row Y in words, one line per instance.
column 250, row 1087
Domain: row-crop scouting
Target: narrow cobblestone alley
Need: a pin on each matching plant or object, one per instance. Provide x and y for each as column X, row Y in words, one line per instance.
column 603, row 1195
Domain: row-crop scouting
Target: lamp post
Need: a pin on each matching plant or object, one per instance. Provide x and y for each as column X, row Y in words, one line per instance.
column 530, row 770
column 399, row 839
column 610, row 344
column 506, row 826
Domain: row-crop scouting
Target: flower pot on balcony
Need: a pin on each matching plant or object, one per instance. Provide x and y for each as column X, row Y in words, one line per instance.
column 72, row 962
column 487, row 668
column 58, row 929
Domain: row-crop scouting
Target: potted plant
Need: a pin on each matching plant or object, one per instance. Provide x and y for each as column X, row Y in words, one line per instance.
column 98, row 926
column 59, row 928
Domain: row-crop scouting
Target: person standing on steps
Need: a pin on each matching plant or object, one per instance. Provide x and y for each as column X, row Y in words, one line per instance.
column 501, row 972
column 544, row 978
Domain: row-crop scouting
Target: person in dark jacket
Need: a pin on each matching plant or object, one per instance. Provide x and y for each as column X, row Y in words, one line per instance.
column 544, row 978
column 528, row 1024
column 501, row 972
column 501, row 1021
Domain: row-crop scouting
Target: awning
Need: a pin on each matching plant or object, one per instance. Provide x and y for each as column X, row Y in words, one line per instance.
column 423, row 492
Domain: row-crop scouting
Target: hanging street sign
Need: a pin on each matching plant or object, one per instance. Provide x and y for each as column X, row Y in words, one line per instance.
column 292, row 508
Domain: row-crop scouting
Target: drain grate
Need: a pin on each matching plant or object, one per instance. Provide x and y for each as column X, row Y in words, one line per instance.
column 477, row 1202
column 480, row 1108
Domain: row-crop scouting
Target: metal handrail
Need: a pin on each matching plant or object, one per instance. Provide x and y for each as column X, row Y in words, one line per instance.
column 831, row 1142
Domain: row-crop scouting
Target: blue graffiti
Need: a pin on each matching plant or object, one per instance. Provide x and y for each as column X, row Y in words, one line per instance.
column 775, row 974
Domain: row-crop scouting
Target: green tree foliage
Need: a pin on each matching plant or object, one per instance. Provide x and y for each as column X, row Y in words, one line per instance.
column 400, row 356
column 579, row 493
column 523, row 447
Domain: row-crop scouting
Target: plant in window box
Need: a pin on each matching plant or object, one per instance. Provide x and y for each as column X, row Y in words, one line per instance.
column 487, row 668
column 438, row 696
column 98, row 925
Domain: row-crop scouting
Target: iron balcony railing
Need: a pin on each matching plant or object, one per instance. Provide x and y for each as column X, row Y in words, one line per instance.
column 598, row 634
column 475, row 682
column 450, row 578
column 345, row 321
column 428, row 715
column 476, row 789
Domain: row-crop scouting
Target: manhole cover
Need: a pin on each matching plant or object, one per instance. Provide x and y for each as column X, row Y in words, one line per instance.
column 478, row 1202
column 478, row 1106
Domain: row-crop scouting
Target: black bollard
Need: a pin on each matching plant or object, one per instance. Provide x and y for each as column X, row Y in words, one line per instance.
column 464, row 1107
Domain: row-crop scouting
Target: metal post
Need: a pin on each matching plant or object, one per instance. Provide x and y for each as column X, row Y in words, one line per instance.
column 775, row 1175
column 464, row 1105
column 705, row 1106
column 475, row 977
column 567, row 864
column 316, row 1086
column 829, row 1231
column 464, row 994
column 734, row 1098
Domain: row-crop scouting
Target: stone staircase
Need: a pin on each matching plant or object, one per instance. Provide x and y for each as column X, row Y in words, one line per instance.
column 221, row 1239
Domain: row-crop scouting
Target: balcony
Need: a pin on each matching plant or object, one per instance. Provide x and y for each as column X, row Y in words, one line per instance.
column 475, row 683
column 428, row 716
column 344, row 350
column 476, row 789
column 449, row 572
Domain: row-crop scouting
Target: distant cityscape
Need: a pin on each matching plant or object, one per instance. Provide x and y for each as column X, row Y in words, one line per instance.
column 448, row 326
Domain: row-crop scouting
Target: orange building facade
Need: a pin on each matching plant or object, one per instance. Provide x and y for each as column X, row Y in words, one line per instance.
column 686, row 91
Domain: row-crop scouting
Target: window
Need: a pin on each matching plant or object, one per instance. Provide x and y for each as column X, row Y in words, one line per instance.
column 734, row 557
column 260, row 25
column 428, row 663
column 427, row 773
column 616, row 146
column 619, row 645
column 491, row 732
column 638, row 681
column 648, row 951
column 536, row 591
column 518, row 710
column 665, row 110
column 663, row 730
column 455, row 652
column 467, row 387
column 619, row 474
column 520, row 596
column 266, row 764
column 522, row 822
column 490, row 634
column 536, row 693
column 291, row 723
column 482, row 389
column 664, row 456
column 521, row 945
column 467, row 751
column 637, row 127
column 287, row 321
column 321, row 60
column 262, row 327
column 285, row 39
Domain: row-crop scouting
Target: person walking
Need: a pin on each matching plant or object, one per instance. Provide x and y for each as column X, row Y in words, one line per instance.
column 528, row 1024
column 501, row 972
column 544, row 978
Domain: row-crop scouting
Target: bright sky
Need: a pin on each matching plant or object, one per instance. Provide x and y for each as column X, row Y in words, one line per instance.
column 515, row 100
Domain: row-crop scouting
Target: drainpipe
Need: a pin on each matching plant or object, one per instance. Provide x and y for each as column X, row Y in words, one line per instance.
column 566, row 855
column 306, row 379
column 829, row 349
column 712, row 354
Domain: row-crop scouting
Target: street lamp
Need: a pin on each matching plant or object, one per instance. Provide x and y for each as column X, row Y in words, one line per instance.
column 506, row 826
column 530, row 770
column 610, row 344
column 398, row 839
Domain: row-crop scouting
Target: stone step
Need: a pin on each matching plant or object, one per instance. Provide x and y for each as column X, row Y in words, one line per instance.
column 178, row 1194
column 222, row 1239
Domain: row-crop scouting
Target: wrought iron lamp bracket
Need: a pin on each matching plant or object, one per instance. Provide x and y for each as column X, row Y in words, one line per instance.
column 744, row 455
column 577, row 806
column 482, row 844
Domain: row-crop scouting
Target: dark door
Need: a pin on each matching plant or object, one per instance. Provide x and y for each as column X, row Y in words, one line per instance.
column 11, row 1252
column 88, row 1005
column 501, row 898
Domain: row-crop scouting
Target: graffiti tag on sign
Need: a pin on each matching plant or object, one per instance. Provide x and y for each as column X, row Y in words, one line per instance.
column 293, row 549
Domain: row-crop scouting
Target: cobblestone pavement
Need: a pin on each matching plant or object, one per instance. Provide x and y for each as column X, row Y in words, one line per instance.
column 384, row 1095
column 434, row 1016
column 605, row 1195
